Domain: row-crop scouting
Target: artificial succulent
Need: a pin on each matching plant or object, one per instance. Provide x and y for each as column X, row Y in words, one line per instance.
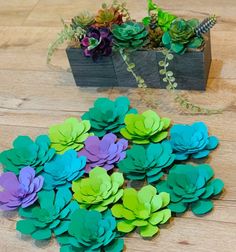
column 205, row 25
column 83, row 20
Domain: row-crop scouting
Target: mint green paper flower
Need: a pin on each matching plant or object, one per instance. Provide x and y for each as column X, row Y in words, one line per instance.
column 99, row 190
column 144, row 209
column 26, row 152
column 91, row 231
column 145, row 128
column 50, row 217
column 70, row 134
column 191, row 187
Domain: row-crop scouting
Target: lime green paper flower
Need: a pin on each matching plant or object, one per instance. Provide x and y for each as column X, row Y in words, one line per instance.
column 145, row 128
column 70, row 134
column 98, row 190
column 144, row 209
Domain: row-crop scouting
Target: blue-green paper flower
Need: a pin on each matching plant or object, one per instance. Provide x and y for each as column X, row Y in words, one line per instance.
column 63, row 169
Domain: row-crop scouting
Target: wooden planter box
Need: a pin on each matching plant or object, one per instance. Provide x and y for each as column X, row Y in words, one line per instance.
column 190, row 70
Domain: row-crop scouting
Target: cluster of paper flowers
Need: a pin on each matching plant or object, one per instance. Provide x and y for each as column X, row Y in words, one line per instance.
column 74, row 184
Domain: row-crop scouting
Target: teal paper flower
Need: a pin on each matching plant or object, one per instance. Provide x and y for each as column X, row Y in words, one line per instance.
column 147, row 162
column 50, row 217
column 191, row 141
column 107, row 116
column 63, row 169
column 26, row 152
column 191, row 187
column 91, row 231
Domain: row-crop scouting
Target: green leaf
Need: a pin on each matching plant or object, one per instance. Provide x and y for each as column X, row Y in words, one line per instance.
column 177, row 48
column 43, row 234
column 162, row 71
column 195, row 42
column 201, row 207
column 161, row 63
column 125, row 226
column 148, row 231
column 25, row 227
column 177, row 207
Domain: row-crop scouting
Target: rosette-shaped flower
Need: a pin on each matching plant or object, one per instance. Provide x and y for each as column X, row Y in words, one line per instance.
column 98, row 190
column 191, row 141
column 143, row 209
column 63, row 169
column 83, row 20
column 20, row 192
column 70, row 134
column 91, row 231
column 108, row 116
column 26, row 152
column 191, row 187
column 105, row 152
column 130, row 35
column 145, row 128
column 97, row 42
column 181, row 35
column 50, row 217
column 147, row 162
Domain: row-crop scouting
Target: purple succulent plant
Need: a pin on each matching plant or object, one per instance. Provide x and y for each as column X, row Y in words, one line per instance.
column 19, row 192
column 105, row 152
column 97, row 42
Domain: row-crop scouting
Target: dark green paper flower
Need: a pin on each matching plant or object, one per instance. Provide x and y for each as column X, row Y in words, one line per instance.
column 191, row 187
column 26, row 152
column 147, row 161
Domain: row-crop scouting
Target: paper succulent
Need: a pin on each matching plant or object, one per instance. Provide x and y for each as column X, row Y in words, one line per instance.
column 191, row 187
column 63, row 169
column 144, row 209
column 145, row 128
column 20, row 192
column 108, row 116
column 147, row 162
column 83, row 20
column 91, row 231
column 181, row 36
column 97, row 42
column 130, row 35
column 105, row 152
column 191, row 141
column 26, row 152
column 98, row 190
column 50, row 217
column 70, row 134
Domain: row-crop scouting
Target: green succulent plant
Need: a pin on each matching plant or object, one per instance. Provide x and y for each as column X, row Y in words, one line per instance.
column 130, row 35
column 83, row 20
column 181, row 36
column 191, row 187
column 145, row 128
column 144, row 209
column 98, row 190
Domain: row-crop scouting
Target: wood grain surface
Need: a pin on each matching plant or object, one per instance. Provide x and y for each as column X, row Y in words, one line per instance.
column 34, row 96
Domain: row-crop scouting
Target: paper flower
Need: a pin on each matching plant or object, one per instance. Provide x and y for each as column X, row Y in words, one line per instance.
column 190, row 187
column 143, row 209
column 70, row 134
column 98, row 190
column 26, row 152
column 19, row 192
column 91, row 231
column 63, row 169
column 145, row 128
column 147, row 161
column 105, row 152
column 50, row 217
column 108, row 116
column 191, row 141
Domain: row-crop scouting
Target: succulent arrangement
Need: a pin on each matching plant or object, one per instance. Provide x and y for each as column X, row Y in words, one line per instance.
column 77, row 184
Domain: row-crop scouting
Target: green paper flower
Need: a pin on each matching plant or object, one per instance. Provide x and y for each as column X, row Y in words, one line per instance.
column 26, row 152
column 70, row 134
column 98, row 190
column 144, row 209
column 108, row 116
column 191, row 187
column 145, row 128
column 91, row 231
column 147, row 162
column 51, row 216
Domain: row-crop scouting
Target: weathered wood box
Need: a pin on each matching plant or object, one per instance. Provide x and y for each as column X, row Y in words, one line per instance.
column 191, row 69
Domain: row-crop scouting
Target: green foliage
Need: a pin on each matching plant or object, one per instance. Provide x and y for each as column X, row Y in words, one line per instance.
column 83, row 20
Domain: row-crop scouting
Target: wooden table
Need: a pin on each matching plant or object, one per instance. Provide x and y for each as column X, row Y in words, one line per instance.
column 34, row 96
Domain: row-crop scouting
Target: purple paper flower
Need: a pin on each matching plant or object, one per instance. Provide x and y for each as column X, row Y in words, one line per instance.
column 97, row 42
column 105, row 152
column 19, row 192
